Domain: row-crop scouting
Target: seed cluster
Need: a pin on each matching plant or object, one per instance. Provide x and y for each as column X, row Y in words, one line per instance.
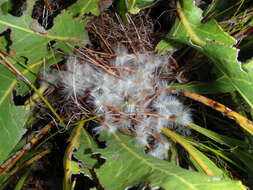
column 135, row 100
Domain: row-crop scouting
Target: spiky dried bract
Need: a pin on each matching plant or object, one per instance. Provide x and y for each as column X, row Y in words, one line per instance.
column 136, row 100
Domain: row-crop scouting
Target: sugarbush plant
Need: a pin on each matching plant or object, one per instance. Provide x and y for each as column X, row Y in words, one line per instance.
column 93, row 79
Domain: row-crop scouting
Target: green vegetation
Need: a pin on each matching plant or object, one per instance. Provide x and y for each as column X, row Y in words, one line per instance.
column 209, row 47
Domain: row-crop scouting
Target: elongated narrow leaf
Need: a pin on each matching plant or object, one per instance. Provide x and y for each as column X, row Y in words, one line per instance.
column 127, row 165
column 23, row 178
column 221, row 9
column 220, row 85
column 203, row 161
column 245, row 157
column 218, row 153
column 2, row 179
column 211, row 40
column 217, row 137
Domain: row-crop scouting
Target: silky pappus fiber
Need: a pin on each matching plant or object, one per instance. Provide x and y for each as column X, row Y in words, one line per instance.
column 131, row 95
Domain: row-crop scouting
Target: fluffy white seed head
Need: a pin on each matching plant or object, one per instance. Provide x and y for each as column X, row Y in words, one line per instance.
column 108, row 125
column 141, row 135
column 139, row 75
column 107, row 128
column 173, row 110
column 50, row 77
column 77, row 78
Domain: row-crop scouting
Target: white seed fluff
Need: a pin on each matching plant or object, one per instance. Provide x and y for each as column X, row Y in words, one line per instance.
column 134, row 101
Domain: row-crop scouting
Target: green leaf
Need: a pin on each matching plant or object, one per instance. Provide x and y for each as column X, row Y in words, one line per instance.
column 220, row 85
column 80, row 147
column 6, row 6
column 32, row 69
column 12, row 118
column 190, row 30
column 127, row 165
column 25, row 39
column 2, row 179
column 85, row 151
column 3, row 43
column 22, row 179
column 248, row 66
column 211, row 40
column 163, row 46
column 30, row 44
column 203, row 161
column 217, row 137
column 219, row 153
column 82, row 7
column 221, row 9
column 133, row 6
column 245, row 157
column 69, row 31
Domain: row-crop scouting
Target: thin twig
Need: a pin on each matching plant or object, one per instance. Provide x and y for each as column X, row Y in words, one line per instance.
column 33, row 141
column 16, row 72
column 30, row 162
